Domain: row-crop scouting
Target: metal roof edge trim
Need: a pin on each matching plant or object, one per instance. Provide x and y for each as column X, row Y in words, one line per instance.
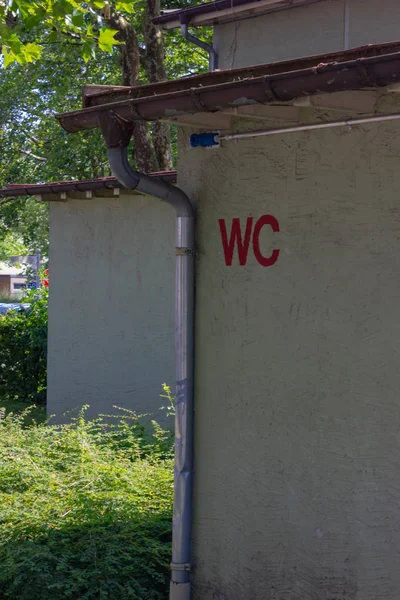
column 238, row 8
column 95, row 95
column 357, row 72
column 58, row 187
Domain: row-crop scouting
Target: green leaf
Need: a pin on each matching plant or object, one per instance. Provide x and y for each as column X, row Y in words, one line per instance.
column 78, row 20
column 32, row 51
column 33, row 18
column 62, row 8
column 8, row 57
column 98, row 4
column 127, row 7
column 107, row 40
column 15, row 44
column 23, row 6
column 52, row 37
column 88, row 50
column 15, row 47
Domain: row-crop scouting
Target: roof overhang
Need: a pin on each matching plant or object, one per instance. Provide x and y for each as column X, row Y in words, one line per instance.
column 224, row 11
column 365, row 68
column 84, row 189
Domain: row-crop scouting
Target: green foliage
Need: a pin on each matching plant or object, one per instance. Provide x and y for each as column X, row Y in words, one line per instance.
column 46, row 21
column 23, row 351
column 35, row 414
column 25, row 219
column 27, row 26
column 11, row 245
column 68, row 34
column 85, row 510
column 36, row 149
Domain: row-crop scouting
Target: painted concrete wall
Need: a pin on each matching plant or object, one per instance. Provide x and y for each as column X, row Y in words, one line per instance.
column 307, row 30
column 111, row 314
column 297, row 433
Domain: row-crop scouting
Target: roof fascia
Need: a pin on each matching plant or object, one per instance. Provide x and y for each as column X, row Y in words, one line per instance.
column 234, row 13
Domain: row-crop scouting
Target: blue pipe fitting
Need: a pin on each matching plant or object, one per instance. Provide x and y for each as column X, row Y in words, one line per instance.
column 203, row 140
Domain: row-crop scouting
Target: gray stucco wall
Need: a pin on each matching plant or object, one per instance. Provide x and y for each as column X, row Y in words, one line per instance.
column 111, row 314
column 305, row 31
column 297, row 430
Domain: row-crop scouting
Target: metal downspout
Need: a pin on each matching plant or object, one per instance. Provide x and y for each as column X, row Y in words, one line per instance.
column 213, row 56
column 180, row 586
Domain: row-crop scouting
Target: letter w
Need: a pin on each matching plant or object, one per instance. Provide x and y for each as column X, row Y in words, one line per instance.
column 236, row 238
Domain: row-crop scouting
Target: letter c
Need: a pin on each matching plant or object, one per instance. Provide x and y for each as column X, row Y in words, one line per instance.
column 265, row 261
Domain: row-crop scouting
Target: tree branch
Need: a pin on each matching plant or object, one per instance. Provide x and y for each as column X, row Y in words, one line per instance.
column 154, row 66
column 59, row 42
column 41, row 158
column 32, row 137
column 143, row 57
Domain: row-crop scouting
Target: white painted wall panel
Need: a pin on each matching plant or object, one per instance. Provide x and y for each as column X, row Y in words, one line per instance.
column 374, row 21
column 302, row 31
column 306, row 31
column 297, row 490
column 111, row 314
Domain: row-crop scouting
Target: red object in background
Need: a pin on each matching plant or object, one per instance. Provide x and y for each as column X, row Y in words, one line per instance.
column 45, row 282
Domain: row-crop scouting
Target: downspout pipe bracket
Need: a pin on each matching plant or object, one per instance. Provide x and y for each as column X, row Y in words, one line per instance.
column 184, row 251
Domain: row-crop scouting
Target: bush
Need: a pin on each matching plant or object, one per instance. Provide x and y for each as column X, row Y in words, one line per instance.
column 85, row 510
column 23, row 351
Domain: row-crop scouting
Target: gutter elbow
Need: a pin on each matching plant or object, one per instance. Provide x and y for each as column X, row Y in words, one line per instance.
column 151, row 186
column 212, row 55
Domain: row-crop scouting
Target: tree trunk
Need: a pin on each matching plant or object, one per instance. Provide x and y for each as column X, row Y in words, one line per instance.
column 151, row 153
column 155, row 71
column 162, row 145
column 144, row 154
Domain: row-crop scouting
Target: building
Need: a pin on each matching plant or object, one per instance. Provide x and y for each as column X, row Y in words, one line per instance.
column 111, row 328
column 296, row 434
column 12, row 283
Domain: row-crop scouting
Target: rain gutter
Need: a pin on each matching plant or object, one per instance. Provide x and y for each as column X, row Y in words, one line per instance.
column 117, row 135
column 358, row 73
column 100, row 94
column 226, row 10
column 60, row 187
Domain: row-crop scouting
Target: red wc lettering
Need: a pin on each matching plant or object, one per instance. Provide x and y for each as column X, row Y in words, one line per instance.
column 242, row 240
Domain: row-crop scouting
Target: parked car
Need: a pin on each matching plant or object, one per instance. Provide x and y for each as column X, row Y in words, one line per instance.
column 18, row 306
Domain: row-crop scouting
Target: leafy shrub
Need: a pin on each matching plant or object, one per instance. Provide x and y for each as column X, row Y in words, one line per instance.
column 23, row 351
column 85, row 509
